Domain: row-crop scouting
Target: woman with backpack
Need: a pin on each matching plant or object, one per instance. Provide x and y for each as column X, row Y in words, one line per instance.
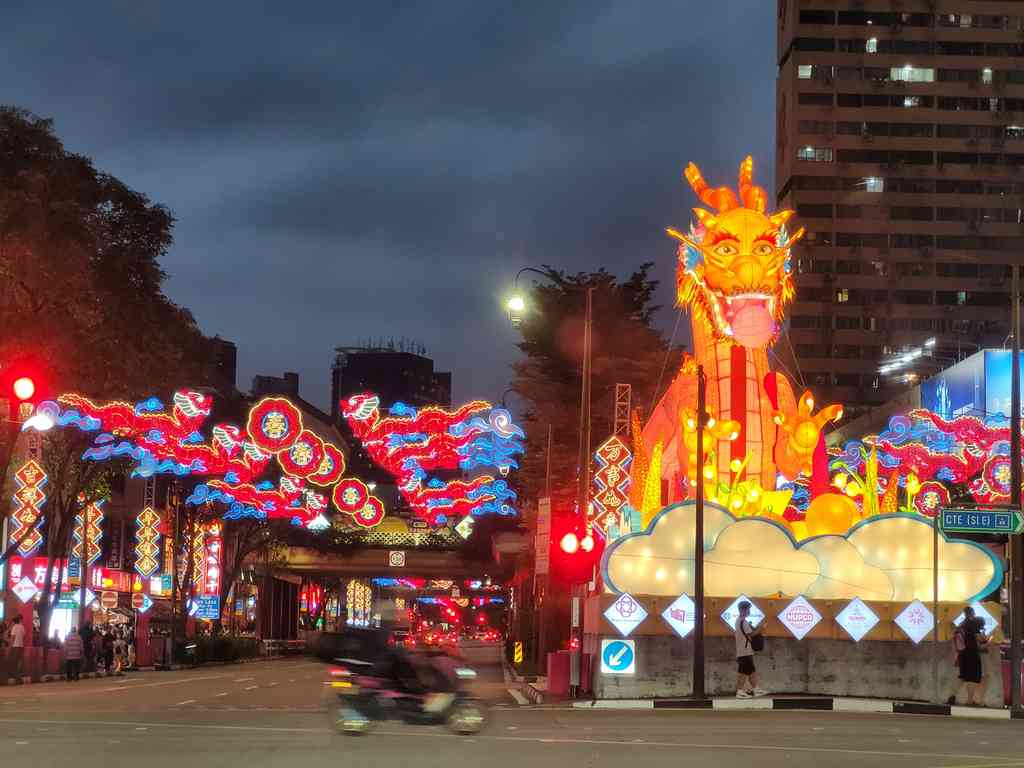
column 969, row 642
column 748, row 642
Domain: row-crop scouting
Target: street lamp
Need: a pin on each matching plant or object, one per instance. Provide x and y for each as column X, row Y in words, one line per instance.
column 516, row 302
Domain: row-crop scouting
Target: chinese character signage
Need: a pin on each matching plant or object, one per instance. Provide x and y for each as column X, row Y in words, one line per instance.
column 91, row 519
column 213, row 546
column 611, row 481
column 147, row 542
column 30, row 479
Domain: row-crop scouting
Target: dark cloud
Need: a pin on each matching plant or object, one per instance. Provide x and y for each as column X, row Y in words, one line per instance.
column 342, row 171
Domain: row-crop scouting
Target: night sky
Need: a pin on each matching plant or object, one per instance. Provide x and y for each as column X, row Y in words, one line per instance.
column 342, row 171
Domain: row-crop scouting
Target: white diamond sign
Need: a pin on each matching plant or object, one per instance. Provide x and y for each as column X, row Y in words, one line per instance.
column 625, row 614
column 681, row 615
column 916, row 621
column 979, row 610
column 730, row 614
column 25, row 589
column 799, row 617
column 90, row 598
column 857, row 619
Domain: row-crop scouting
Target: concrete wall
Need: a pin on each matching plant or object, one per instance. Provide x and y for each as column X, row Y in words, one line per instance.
column 885, row 670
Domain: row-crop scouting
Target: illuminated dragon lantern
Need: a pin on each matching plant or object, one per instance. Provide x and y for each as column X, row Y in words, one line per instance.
column 734, row 276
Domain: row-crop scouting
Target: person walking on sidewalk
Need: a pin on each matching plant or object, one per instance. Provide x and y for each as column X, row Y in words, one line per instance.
column 969, row 643
column 74, row 650
column 748, row 641
column 17, row 638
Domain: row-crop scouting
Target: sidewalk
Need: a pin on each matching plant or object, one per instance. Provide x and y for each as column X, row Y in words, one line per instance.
column 805, row 703
column 52, row 677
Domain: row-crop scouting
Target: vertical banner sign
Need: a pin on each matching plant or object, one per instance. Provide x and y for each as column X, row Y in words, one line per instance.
column 213, row 547
column 147, row 542
column 30, row 479
column 115, row 533
column 542, row 542
column 611, row 483
column 94, row 532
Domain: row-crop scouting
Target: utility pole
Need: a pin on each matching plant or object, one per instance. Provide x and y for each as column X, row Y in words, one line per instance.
column 541, row 592
column 698, row 544
column 83, row 565
column 1016, row 544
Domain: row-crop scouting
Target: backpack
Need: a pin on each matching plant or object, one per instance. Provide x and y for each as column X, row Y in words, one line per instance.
column 756, row 641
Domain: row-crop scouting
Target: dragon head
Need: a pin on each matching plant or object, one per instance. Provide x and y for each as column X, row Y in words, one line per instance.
column 734, row 269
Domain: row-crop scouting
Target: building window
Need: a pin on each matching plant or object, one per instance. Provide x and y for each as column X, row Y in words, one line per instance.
column 993, row 104
column 911, row 74
column 986, row 76
column 804, row 71
column 874, row 184
column 871, row 45
column 961, row 297
column 842, row 296
column 815, row 154
column 911, row 101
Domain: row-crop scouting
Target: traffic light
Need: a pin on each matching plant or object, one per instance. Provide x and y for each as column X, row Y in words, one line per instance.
column 574, row 551
column 22, row 381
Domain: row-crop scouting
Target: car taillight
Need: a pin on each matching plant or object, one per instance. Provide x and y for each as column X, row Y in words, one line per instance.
column 340, row 672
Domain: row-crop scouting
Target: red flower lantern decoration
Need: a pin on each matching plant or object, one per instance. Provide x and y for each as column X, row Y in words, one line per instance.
column 350, row 495
column 303, row 457
column 274, row 424
column 932, row 495
column 332, row 466
column 371, row 513
column 997, row 474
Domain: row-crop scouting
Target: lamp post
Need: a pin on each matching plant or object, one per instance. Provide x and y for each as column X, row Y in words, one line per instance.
column 1016, row 544
column 516, row 306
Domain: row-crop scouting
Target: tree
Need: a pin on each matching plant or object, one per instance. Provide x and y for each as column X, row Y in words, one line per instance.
column 626, row 350
column 80, row 278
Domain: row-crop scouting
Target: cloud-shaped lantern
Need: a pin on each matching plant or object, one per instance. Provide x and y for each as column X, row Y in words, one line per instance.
column 883, row 558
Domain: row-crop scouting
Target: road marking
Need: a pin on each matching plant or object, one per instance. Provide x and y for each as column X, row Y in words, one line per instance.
column 251, row 687
column 186, row 701
column 518, row 696
column 179, row 726
column 163, row 683
column 244, row 679
column 21, row 743
column 223, row 693
column 271, row 685
column 725, row 747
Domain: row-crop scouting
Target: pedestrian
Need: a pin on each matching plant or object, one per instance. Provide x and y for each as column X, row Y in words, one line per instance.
column 74, row 650
column 17, row 638
column 88, row 650
column 108, row 652
column 969, row 643
column 749, row 640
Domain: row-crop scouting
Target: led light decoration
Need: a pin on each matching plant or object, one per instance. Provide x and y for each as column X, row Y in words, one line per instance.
column 611, row 481
column 234, row 458
column 212, row 553
column 147, row 542
column 303, row 457
column 350, row 495
column 29, row 498
column 94, row 532
column 412, row 443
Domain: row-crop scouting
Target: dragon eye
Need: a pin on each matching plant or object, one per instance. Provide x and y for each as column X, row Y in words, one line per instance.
column 763, row 249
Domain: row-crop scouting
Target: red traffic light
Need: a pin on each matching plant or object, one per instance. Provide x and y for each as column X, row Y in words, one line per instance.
column 24, row 388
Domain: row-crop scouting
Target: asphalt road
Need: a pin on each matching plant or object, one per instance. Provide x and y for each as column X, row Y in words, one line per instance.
column 270, row 714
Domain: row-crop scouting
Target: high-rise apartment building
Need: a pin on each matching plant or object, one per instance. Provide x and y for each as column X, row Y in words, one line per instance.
column 900, row 145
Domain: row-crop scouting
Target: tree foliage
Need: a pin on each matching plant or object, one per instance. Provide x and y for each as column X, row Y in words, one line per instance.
column 81, row 286
column 626, row 350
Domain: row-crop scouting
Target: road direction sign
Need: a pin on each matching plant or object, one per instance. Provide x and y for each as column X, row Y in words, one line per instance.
column 980, row 520
column 618, row 657
column 147, row 603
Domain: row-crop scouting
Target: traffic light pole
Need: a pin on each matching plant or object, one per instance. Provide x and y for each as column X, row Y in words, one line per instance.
column 698, row 544
column 1016, row 544
column 583, row 500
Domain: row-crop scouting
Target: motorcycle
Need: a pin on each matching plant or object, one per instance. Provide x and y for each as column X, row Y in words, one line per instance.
column 426, row 691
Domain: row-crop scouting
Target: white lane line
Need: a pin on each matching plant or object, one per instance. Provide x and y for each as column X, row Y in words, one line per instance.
column 189, row 726
column 251, row 687
column 166, row 682
column 518, row 696
column 715, row 747
column 223, row 693
column 271, row 685
column 21, row 743
column 186, row 701
column 244, row 679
